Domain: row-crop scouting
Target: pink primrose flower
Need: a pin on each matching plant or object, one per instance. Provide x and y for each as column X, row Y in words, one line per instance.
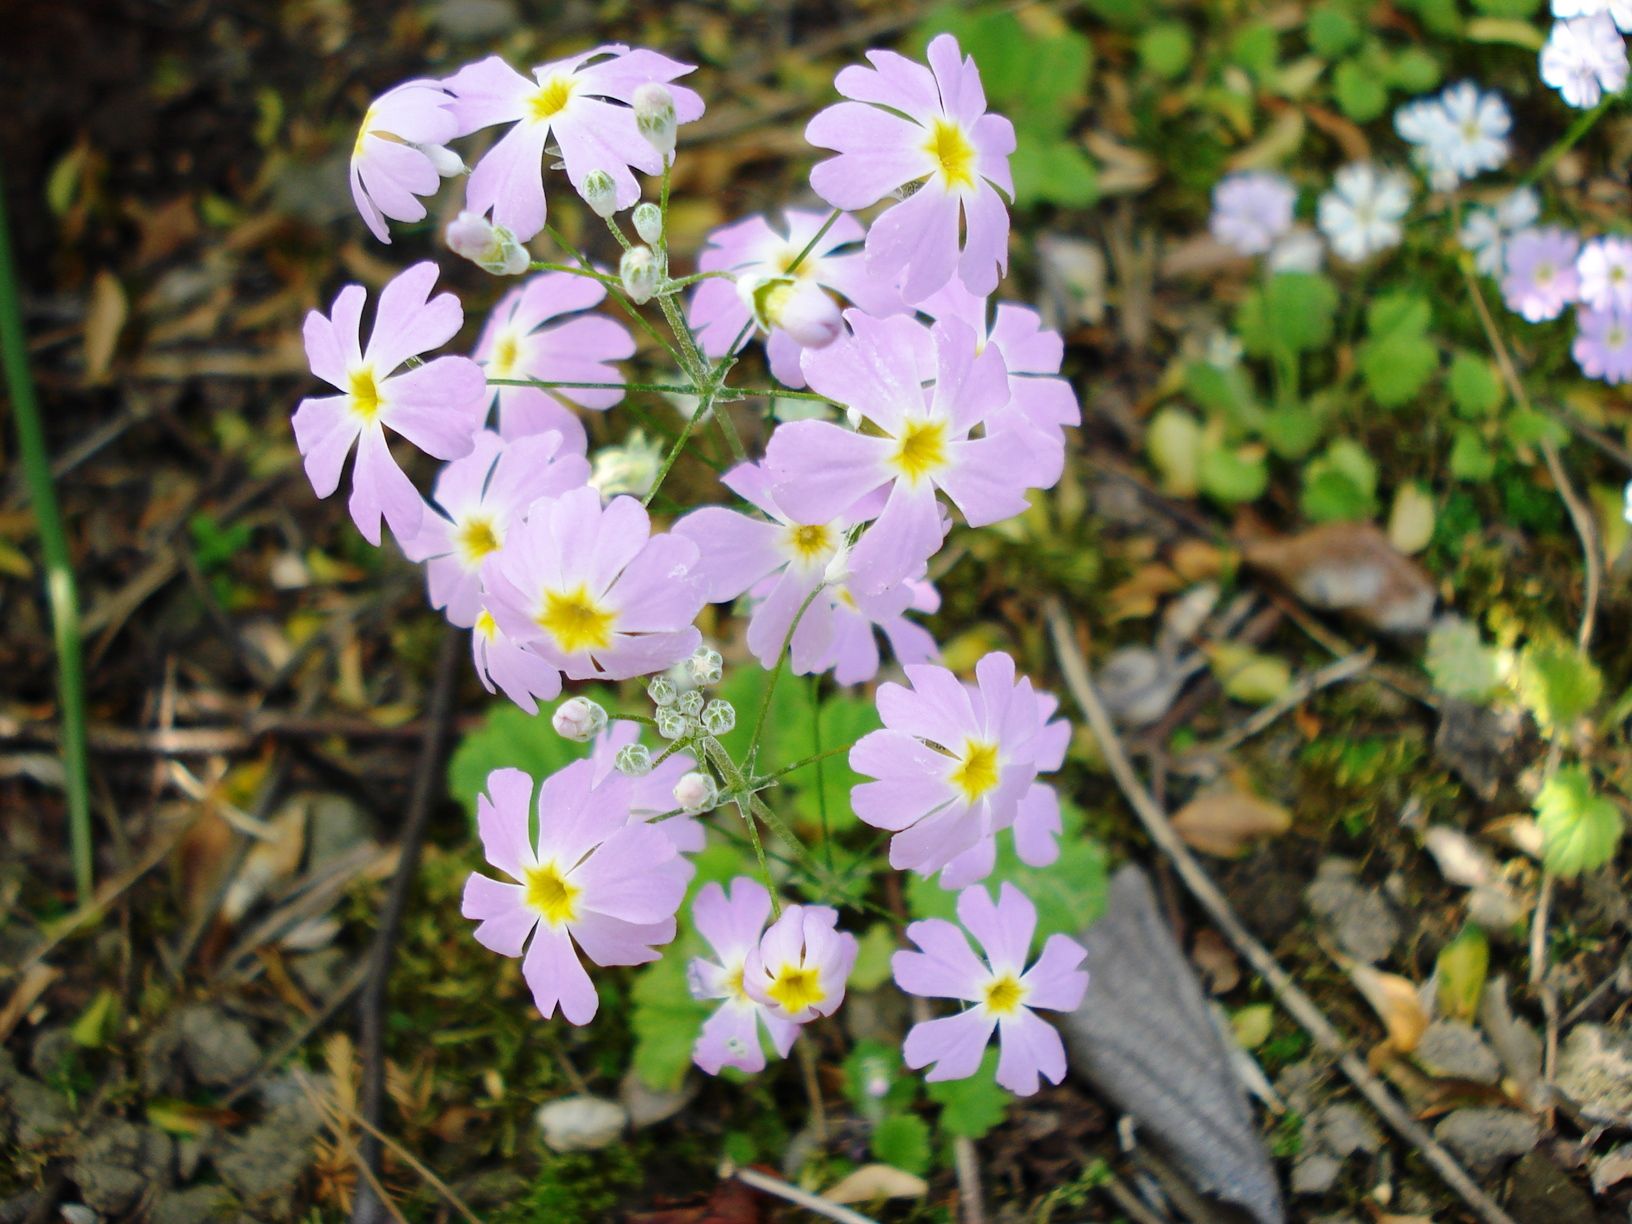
column 1603, row 344
column 516, row 343
column 437, row 406
column 592, row 591
column 733, row 923
column 908, row 124
column 1001, row 991
column 400, row 154
column 481, row 496
column 799, row 969
column 1541, row 277
column 1252, row 210
column 582, row 105
column 507, row 666
column 759, row 256
column 592, row 883
column 924, row 442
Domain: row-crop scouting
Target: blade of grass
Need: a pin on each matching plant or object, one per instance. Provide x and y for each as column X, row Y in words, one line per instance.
column 59, row 570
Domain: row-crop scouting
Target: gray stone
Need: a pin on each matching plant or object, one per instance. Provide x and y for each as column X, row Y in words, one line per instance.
column 1363, row 922
column 22, row 1207
column 1344, row 1129
column 1487, row 1138
column 1452, row 1049
column 581, row 1123
column 264, row 1165
column 52, row 1047
column 1315, row 1172
column 648, row 1106
column 336, row 824
column 117, row 1163
column 190, row 1206
column 218, row 1049
column 1542, row 1193
column 32, row 1113
column 1595, row 1071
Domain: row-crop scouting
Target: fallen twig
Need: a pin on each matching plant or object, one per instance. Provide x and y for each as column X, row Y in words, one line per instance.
column 1287, row 992
column 767, row 1184
column 1300, row 691
column 371, row 1007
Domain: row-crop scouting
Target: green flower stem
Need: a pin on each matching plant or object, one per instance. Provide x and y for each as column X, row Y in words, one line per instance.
column 717, row 756
column 542, row 265
column 776, row 673
column 59, row 569
column 693, row 362
column 1583, row 124
column 543, row 385
column 617, row 232
column 687, row 281
column 816, row 759
column 703, row 405
column 733, row 440
column 615, row 293
column 634, row 718
column 813, row 759
column 781, row 393
column 810, row 246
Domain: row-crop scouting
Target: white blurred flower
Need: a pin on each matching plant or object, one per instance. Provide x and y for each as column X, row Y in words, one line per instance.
column 1361, row 214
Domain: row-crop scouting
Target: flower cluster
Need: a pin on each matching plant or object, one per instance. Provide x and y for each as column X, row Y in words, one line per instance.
column 1584, row 57
column 920, row 397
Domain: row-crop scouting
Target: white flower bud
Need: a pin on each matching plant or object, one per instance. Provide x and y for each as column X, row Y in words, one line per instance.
column 718, row 717
column 690, row 704
column 662, row 691
column 801, row 308
column 671, row 724
column 578, row 719
column 705, row 665
column 696, row 792
column 638, row 271
column 630, row 468
column 837, row 572
column 633, row 761
column 600, row 193
column 447, row 162
column 648, row 219
column 654, row 116
column 490, row 247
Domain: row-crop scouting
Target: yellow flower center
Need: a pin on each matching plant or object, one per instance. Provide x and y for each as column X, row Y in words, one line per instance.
column 505, row 354
column 476, row 539
column 806, row 269
column 1003, row 994
column 733, row 984
column 795, row 988
column 551, row 99
column 977, row 769
column 365, row 394
column 576, row 621
column 485, row 624
column 921, row 450
column 809, row 543
column 551, row 895
column 954, row 155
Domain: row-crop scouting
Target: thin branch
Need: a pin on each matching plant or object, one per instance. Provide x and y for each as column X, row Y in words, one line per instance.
column 1287, row 992
column 766, row 1184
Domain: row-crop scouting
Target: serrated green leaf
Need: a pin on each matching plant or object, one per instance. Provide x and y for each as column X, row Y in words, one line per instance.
column 1475, row 389
column 1579, row 827
column 1232, row 475
column 1414, row 71
column 1165, row 49
column 873, row 952
column 1340, row 484
column 1460, row 663
column 1360, row 94
column 1470, row 458
column 1332, row 31
column 1292, row 313
column 511, row 738
column 664, row 1019
column 1557, row 684
column 1051, row 170
column 902, row 1142
column 971, row 1107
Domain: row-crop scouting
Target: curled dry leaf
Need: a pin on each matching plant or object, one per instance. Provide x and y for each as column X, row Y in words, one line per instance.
column 1352, row 568
column 876, row 1181
column 1226, row 823
column 1396, row 1001
column 104, row 320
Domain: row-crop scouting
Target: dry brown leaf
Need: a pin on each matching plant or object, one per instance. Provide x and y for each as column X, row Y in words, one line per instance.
column 1396, row 1003
column 1344, row 132
column 1349, row 567
column 105, row 317
column 1226, row 822
column 1279, row 141
column 876, row 1181
column 269, row 861
column 1138, row 596
column 25, row 995
column 1215, row 961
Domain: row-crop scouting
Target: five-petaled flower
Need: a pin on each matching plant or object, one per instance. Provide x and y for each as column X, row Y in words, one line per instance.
column 592, row 591
column 437, row 406
column 481, row 496
column 1001, row 991
column 908, row 124
column 801, row 964
column 952, row 763
column 401, row 154
column 584, row 104
column 733, row 923
column 591, row 879
column 924, row 392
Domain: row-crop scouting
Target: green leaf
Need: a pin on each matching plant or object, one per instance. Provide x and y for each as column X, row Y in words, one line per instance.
column 1292, row 313
column 971, row 1107
column 1471, row 459
column 1557, row 684
column 1165, row 49
column 1174, row 441
column 664, row 1019
column 1225, row 392
column 873, row 952
column 902, row 1141
column 1255, row 48
column 1051, row 170
column 1340, row 484
column 1530, row 428
column 1398, row 358
column 1507, row 8
column 1232, row 475
column 1460, row 972
column 1474, row 387
column 1460, row 663
column 1360, row 94
column 509, row 737
column 1414, row 71
column 1332, row 31
column 1068, row 895
column 1579, row 827
column 1292, row 431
